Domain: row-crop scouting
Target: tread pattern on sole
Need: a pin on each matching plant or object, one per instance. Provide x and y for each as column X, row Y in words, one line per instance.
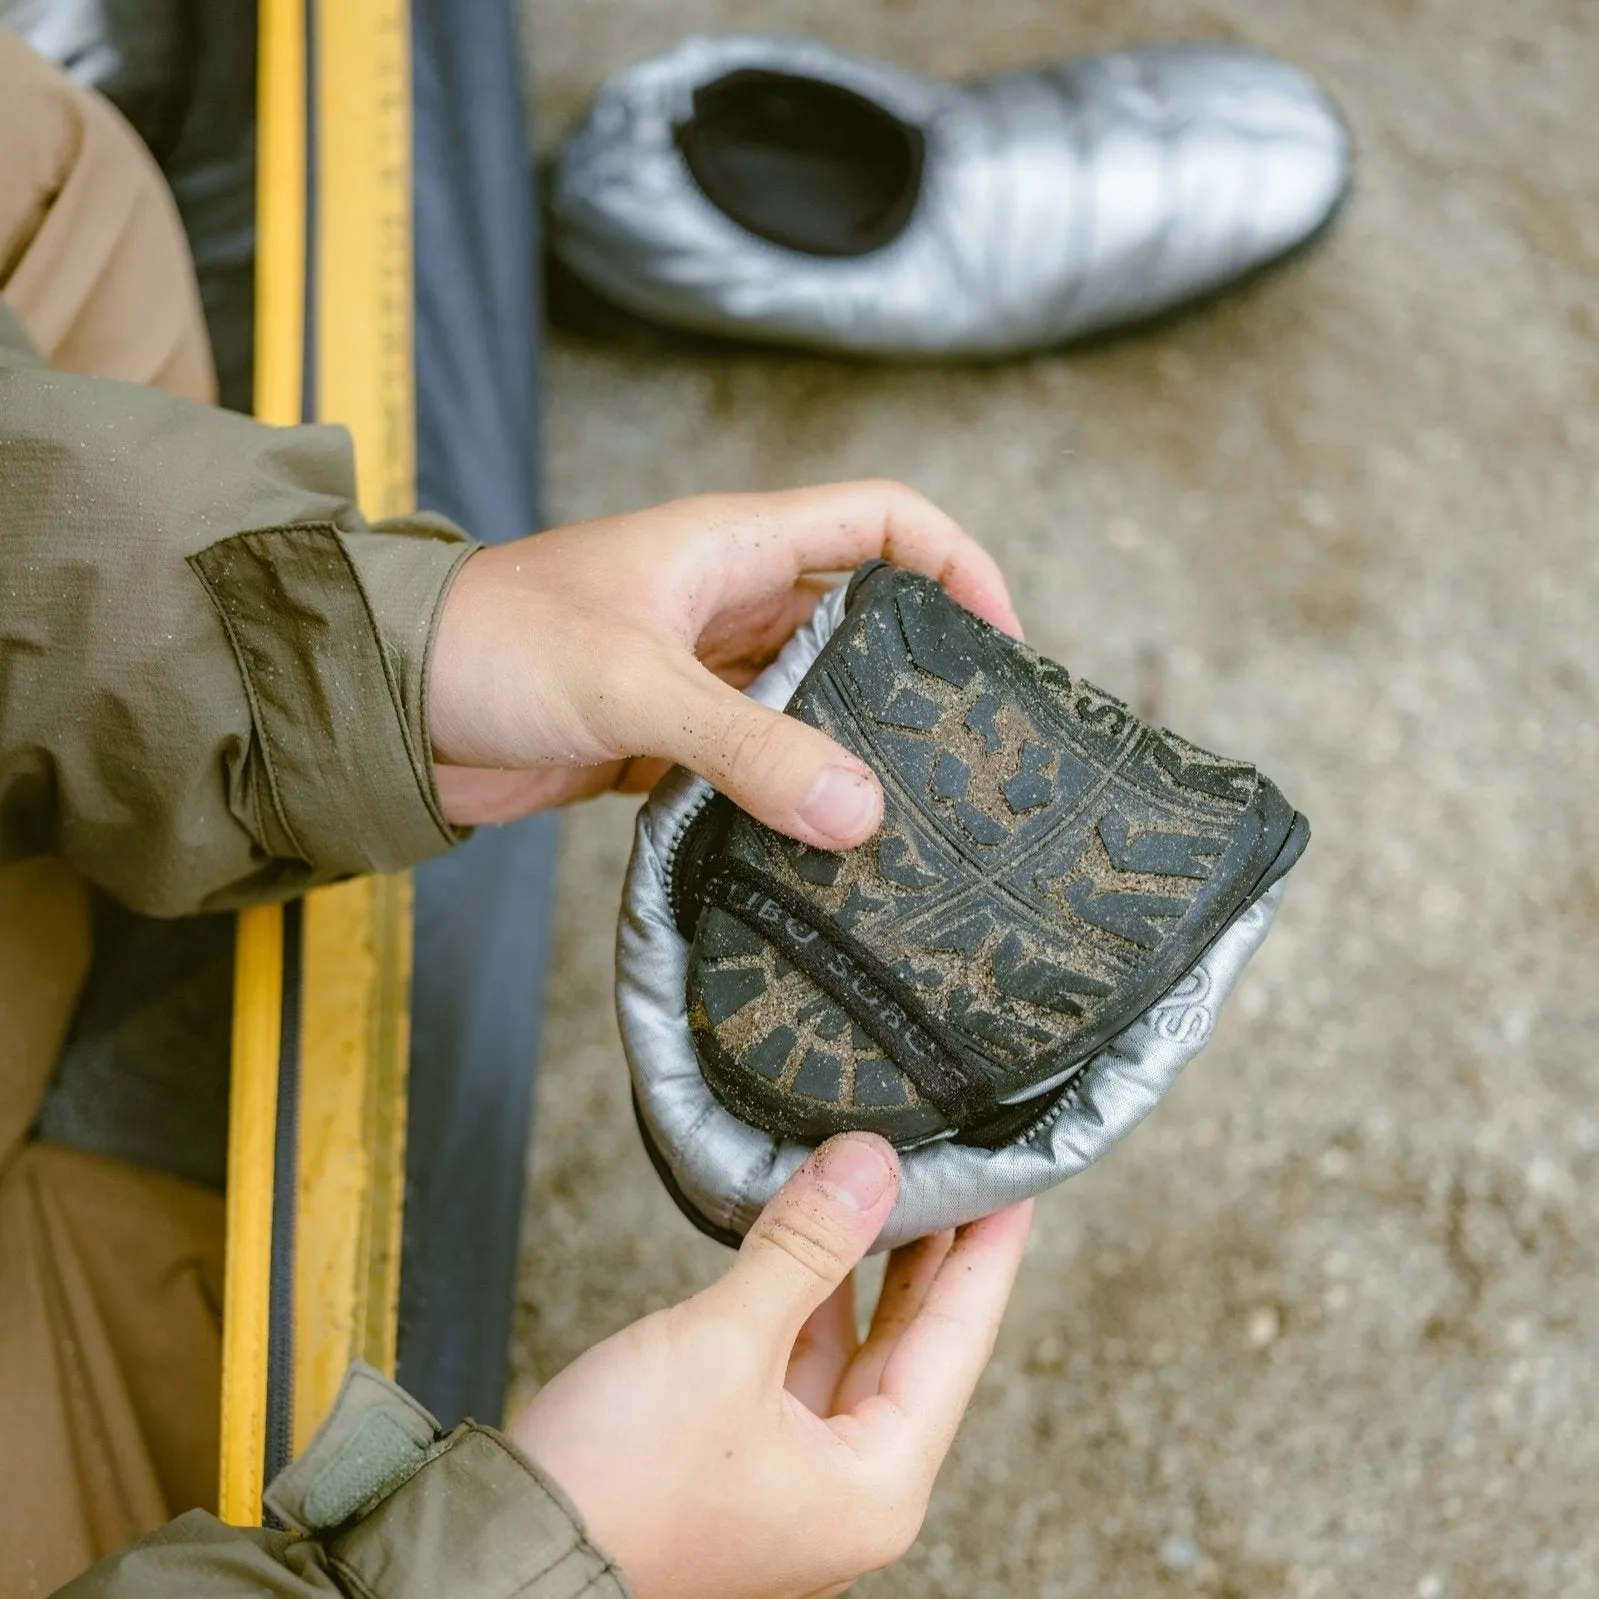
column 1048, row 865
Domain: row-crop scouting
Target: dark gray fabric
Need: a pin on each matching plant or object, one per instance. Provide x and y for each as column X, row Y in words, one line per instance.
column 483, row 913
column 144, row 1074
column 209, row 160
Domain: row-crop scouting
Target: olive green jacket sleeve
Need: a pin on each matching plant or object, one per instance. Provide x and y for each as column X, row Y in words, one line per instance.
column 383, row 1508
column 212, row 670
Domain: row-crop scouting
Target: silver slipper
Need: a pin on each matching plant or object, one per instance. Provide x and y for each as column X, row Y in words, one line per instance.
column 720, row 1170
column 783, row 190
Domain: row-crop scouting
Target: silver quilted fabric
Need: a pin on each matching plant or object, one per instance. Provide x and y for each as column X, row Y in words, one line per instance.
column 1055, row 203
column 727, row 1170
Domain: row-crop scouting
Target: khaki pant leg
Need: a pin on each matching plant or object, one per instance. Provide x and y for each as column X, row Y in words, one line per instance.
column 44, row 958
column 110, row 1350
column 92, row 257
column 110, row 1277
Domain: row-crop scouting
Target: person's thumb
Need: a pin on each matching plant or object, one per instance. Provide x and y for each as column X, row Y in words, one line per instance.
column 812, row 1234
column 779, row 769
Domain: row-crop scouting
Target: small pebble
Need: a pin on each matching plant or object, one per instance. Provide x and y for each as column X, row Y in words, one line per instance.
column 1263, row 1326
column 1178, row 1553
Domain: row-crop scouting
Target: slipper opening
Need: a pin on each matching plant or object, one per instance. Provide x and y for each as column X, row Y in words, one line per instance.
column 805, row 164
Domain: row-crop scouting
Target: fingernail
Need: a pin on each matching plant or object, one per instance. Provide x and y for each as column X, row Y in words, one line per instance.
column 842, row 803
column 854, row 1171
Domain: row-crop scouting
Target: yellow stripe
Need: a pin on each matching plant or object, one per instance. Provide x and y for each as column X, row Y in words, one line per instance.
column 258, row 958
column 365, row 337
column 246, row 1293
column 355, row 1036
column 355, row 1020
column 280, row 212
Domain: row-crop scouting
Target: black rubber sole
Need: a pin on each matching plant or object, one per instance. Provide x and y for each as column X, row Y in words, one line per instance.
column 1048, row 866
column 1039, row 1112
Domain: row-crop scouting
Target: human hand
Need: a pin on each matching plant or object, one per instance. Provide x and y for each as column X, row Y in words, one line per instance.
column 744, row 1444
column 594, row 656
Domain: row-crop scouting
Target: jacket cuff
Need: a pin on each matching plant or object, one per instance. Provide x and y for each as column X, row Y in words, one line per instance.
column 403, row 1514
column 332, row 632
column 476, row 1522
column 407, row 566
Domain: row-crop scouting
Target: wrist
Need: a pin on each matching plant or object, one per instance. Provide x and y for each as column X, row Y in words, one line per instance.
column 446, row 696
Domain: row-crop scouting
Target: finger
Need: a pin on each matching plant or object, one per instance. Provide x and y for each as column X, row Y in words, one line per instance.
column 747, row 636
column 911, row 1271
column 837, row 526
column 811, row 1235
column 788, row 774
column 928, row 1379
column 641, row 774
column 823, row 1349
column 478, row 796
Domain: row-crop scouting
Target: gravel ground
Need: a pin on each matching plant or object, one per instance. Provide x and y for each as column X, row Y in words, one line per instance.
column 1327, row 1324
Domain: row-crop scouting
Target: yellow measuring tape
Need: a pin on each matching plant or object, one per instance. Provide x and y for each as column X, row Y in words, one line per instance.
column 355, row 944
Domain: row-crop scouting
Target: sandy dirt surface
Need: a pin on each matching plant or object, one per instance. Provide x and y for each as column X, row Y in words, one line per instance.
column 1327, row 1324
